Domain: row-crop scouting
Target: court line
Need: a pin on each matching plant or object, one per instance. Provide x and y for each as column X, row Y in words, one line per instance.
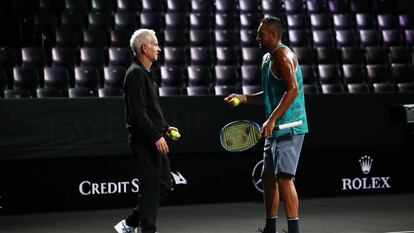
column 400, row 232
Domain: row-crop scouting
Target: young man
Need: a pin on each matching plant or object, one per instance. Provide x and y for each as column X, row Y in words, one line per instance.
column 283, row 99
column 147, row 128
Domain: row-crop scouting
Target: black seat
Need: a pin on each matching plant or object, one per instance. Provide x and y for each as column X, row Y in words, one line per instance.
column 94, row 37
column 17, row 93
column 310, row 88
column 119, row 56
column 87, row 77
column 151, row 20
column 224, row 37
column 251, row 89
column 33, row 56
column 26, row 78
column 175, row 37
column 376, row 55
column 170, row 91
column 103, row 5
column 201, row 56
column 81, row 92
column 351, row 55
column 402, row 73
column 387, row 21
column 332, row 88
column 293, row 6
column 127, row 5
column 156, row 6
column 357, row 88
column 249, row 20
column 67, row 37
column 198, row 91
column 74, row 19
column 320, row 21
column 8, row 60
column 225, row 21
column 377, row 73
column 125, row 20
column 48, row 92
column 308, row 74
column 199, row 76
column 177, row 5
column 327, row 55
column 299, row 37
column 250, row 75
column 225, row 75
column 172, row 76
column 329, row 74
column 251, row 56
column 226, row 5
column 248, row 37
column 200, row 37
column 92, row 56
column 365, row 21
column 119, row 38
column 248, row 6
column 391, row 37
column 399, row 54
column 323, row 38
column 297, row 21
column 226, row 56
column 202, row 6
column 57, row 78
column 99, row 20
column 175, row 56
column 353, row 73
column 383, row 87
column 114, row 76
column 369, row 37
column 109, row 92
column 305, row 55
column 271, row 6
column 176, row 20
column 405, row 87
column 316, row 6
column 200, row 20
column 343, row 21
column 64, row 56
column 345, row 38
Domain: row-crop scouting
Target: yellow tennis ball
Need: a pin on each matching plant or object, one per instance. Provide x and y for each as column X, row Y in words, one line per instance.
column 235, row 101
column 175, row 134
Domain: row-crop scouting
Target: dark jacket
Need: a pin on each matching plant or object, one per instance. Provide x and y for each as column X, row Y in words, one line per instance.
column 144, row 118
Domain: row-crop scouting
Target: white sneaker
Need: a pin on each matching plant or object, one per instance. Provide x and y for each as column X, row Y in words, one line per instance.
column 122, row 227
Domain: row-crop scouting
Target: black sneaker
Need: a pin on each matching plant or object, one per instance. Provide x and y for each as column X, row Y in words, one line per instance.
column 264, row 230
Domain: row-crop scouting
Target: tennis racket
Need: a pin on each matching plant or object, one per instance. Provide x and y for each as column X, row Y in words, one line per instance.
column 241, row 135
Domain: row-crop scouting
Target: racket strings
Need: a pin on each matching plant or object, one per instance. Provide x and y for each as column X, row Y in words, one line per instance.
column 239, row 137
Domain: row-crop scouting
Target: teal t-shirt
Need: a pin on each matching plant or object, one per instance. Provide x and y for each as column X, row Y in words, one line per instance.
column 273, row 91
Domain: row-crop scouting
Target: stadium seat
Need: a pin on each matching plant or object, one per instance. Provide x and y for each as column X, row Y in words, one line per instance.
column 205, row 6
column 308, row 74
column 310, row 88
column 365, row 21
column 92, row 56
column 172, row 76
column 201, row 56
column 327, row 55
column 225, row 6
column 125, row 20
column 299, row 37
column 382, row 87
column 153, row 6
column 200, row 20
column 329, row 74
column 293, row 6
column 406, row 21
column 224, row 37
column 357, row 88
column 409, row 37
column 248, row 37
column 48, row 92
column 332, row 88
column 271, row 6
column 33, row 56
column 57, row 78
column 369, row 37
column 224, row 90
column 399, row 54
column 73, row 19
column 67, row 37
column 323, row 38
column 358, row 6
column 250, row 75
column 351, row 55
column 94, row 38
column 26, row 78
column 297, row 21
column 8, row 60
column 249, row 20
column 199, row 76
column 198, row 91
column 114, row 76
column 170, row 91
column 109, row 92
column 226, row 56
column 316, row 6
column 320, row 21
column 391, row 37
column 305, row 55
column 127, row 5
column 86, row 77
column 119, row 56
column 175, row 37
column 337, row 6
column 387, row 21
column 119, row 38
column 17, row 93
column 78, row 5
column 64, row 56
column 376, row 55
column 81, row 92
column 200, row 37
column 402, row 73
column 225, row 21
column 353, row 73
column 102, row 5
column 175, row 20
column 177, row 5
column 175, row 56
column 405, row 87
column 248, row 6
column 251, row 89
column 343, row 21
column 345, row 38
column 100, row 20
column 225, row 75
column 251, row 56
column 377, row 73
column 151, row 20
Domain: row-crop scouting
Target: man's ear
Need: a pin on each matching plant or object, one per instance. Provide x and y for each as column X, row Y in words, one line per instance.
column 143, row 48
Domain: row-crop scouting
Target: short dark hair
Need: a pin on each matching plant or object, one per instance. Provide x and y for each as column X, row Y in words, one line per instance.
column 274, row 23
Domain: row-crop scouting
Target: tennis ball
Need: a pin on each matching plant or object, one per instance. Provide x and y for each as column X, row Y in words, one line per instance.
column 175, row 134
column 235, row 101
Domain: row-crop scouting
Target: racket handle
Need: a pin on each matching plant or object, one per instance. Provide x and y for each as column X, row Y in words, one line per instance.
column 290, row 125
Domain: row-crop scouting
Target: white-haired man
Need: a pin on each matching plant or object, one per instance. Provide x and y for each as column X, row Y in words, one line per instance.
column 147, row 129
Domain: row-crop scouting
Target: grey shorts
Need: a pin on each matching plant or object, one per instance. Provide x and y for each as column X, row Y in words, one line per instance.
column 282, row 155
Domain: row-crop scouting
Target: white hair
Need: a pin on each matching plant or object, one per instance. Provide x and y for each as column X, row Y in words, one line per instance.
column 141, row 36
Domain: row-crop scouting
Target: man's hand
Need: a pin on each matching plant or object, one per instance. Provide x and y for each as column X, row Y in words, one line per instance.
column 230, row 101
column 176, row 135
column 162, row 146
column 267, row 128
